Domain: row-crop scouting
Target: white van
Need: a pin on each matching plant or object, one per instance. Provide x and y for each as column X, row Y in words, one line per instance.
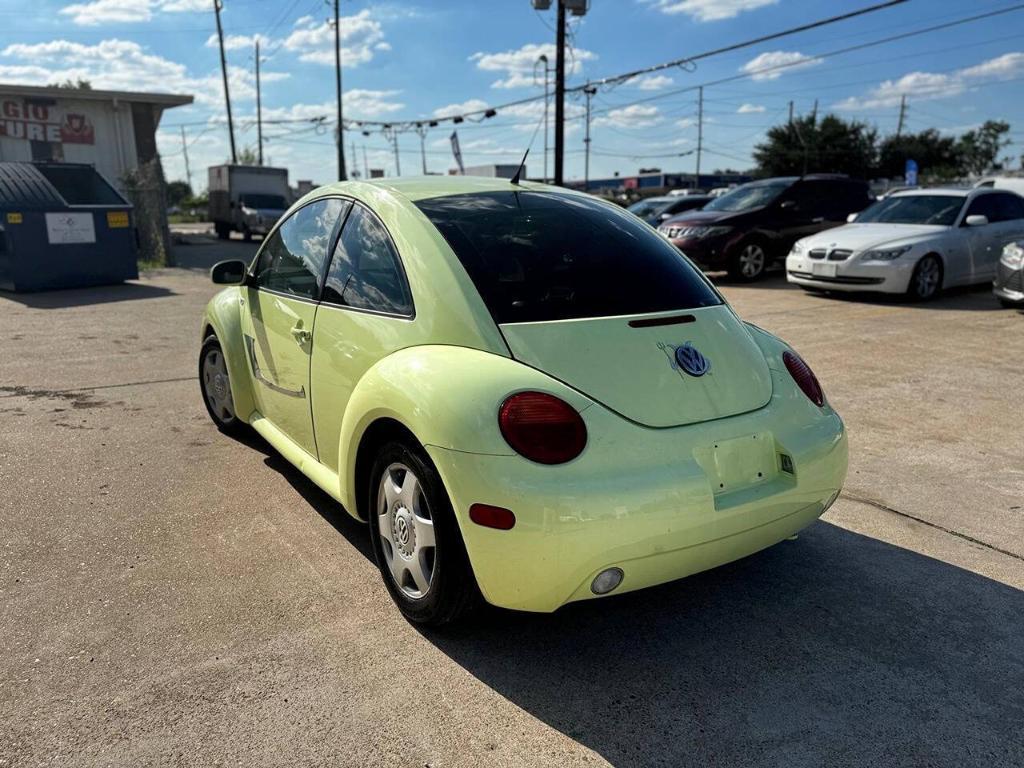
column 1012, row 183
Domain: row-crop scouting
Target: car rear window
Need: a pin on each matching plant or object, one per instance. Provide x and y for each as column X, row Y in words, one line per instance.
column 538, row 256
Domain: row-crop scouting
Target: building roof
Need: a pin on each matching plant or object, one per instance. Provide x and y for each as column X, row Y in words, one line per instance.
column 90, row 94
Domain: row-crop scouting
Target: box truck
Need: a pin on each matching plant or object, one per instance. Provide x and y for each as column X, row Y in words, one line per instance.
column 247, row 198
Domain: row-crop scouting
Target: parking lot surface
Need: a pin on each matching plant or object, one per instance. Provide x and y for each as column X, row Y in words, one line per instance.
column 172, row 596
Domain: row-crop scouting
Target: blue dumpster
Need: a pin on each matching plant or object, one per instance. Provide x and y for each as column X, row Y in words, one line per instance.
column 62, row 225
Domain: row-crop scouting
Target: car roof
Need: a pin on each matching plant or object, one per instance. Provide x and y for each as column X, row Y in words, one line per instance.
column 423, row 187
column 945, row 191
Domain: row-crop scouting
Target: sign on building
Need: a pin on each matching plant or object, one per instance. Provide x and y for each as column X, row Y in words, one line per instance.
column 35, row 121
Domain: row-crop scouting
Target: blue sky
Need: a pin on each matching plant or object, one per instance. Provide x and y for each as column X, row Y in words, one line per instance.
column 411, row 59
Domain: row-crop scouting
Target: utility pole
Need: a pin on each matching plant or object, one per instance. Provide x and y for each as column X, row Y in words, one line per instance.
column 366, row 166
column 355, row 163
column 259, row 108
column 903, row 114
column 224, row 73
column 337, row 83
column 392, row 135
column 560, row 94
column 184, row 151
column 589, row 91
column 790, row 112
column 547, row 70
column 422, row 131
column 700, row 134
column 814, row 113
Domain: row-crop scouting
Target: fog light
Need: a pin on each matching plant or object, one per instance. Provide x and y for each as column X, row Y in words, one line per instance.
column 606, row 581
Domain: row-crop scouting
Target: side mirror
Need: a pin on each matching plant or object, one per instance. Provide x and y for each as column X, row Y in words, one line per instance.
column 230, row 272
column 851, row 218
column 976, row 221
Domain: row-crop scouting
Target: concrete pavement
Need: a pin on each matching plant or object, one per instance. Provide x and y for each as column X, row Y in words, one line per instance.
column 171, row 596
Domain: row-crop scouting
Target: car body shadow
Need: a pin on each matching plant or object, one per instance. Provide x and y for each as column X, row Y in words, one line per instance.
column 978, row 298
column 81, row 297
column 835, row 649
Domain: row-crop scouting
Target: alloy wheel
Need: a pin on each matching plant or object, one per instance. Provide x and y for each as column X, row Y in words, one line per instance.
column 926, row 279
column 406, row 529
column 752, row 261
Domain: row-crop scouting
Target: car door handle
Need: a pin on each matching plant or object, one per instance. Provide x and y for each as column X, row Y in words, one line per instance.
column 301, row 335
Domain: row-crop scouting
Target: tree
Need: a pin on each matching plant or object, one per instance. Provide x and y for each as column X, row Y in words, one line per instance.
column 177, row 192
column 937, row 156
column 80, row 84
column 979, row 149
column 809, row 145
column 247, row 156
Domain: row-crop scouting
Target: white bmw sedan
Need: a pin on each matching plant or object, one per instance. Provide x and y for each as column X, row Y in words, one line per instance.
column 915, row 242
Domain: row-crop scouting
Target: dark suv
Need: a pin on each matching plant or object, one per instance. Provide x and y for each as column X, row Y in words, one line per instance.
column 754, row 225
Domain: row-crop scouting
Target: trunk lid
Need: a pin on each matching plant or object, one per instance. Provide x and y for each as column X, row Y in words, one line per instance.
column 633, row 368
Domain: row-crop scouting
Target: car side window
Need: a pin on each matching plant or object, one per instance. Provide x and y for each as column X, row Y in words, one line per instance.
column 812, row 199
column 292, row 259
column 1010, row 207
column 365, row 272
column 984, row 205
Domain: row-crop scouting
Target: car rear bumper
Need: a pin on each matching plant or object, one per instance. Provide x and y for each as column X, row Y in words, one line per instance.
column 850, row 275
column 660, row 504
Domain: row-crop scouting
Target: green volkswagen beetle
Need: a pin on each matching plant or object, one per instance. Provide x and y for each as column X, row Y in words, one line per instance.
column 528, row 394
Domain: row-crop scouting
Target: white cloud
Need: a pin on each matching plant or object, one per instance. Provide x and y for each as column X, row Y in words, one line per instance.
column 472, row 105
column 123, row 65
column 235, row 42
column 108, row 11
column 359, row 103
column 185, row 6
column 686, row 122
column 633, row 116
column 772, row 65
column 97, row 12
column 518, row 64
column 750, row 109
column 313, row 40
column 925, row 86
column 710, row 10
column 650, row 82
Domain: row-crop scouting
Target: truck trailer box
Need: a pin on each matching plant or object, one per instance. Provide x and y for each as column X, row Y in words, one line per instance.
column 247, row 198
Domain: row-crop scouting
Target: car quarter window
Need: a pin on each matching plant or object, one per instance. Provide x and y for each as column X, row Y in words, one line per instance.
column 365, row 272
column 984, row 205
column 1009, row 207
column 292, row 259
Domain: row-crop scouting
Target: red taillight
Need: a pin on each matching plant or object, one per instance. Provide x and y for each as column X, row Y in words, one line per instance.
column 804, row 377
column 542, row 428
column 492, row 517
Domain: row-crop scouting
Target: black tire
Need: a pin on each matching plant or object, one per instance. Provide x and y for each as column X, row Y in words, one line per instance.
column 452, row 587
column 748, row 262
column 246, row 234
column 214, row 392
column 223, row 230
column 1007, row 304
column 926, row 280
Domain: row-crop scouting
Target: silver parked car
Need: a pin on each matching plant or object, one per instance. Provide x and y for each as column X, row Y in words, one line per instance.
column 1009, row 283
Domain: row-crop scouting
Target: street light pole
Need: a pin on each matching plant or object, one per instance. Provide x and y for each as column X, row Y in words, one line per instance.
column 560, row 94
column 337, row 84
column 543, row 58
column 589, row 91
column 259, row 107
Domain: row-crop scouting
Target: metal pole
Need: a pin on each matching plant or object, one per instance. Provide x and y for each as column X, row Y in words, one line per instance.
column 700, row 134
column 903, row 112
column 791, row 113
column 423, row 146
column 337, row 83
column 547, row 70
column 184, row 151
column 259, row 107
column 224, row 74
column 355, row 163
column 560, row 94
column 589, row 91
column 366, row 166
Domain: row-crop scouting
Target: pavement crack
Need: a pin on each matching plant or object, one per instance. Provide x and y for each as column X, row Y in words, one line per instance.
column 69, row 394
column 936, row 526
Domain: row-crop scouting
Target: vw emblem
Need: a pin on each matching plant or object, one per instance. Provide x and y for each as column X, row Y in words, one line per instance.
column 692, row 361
